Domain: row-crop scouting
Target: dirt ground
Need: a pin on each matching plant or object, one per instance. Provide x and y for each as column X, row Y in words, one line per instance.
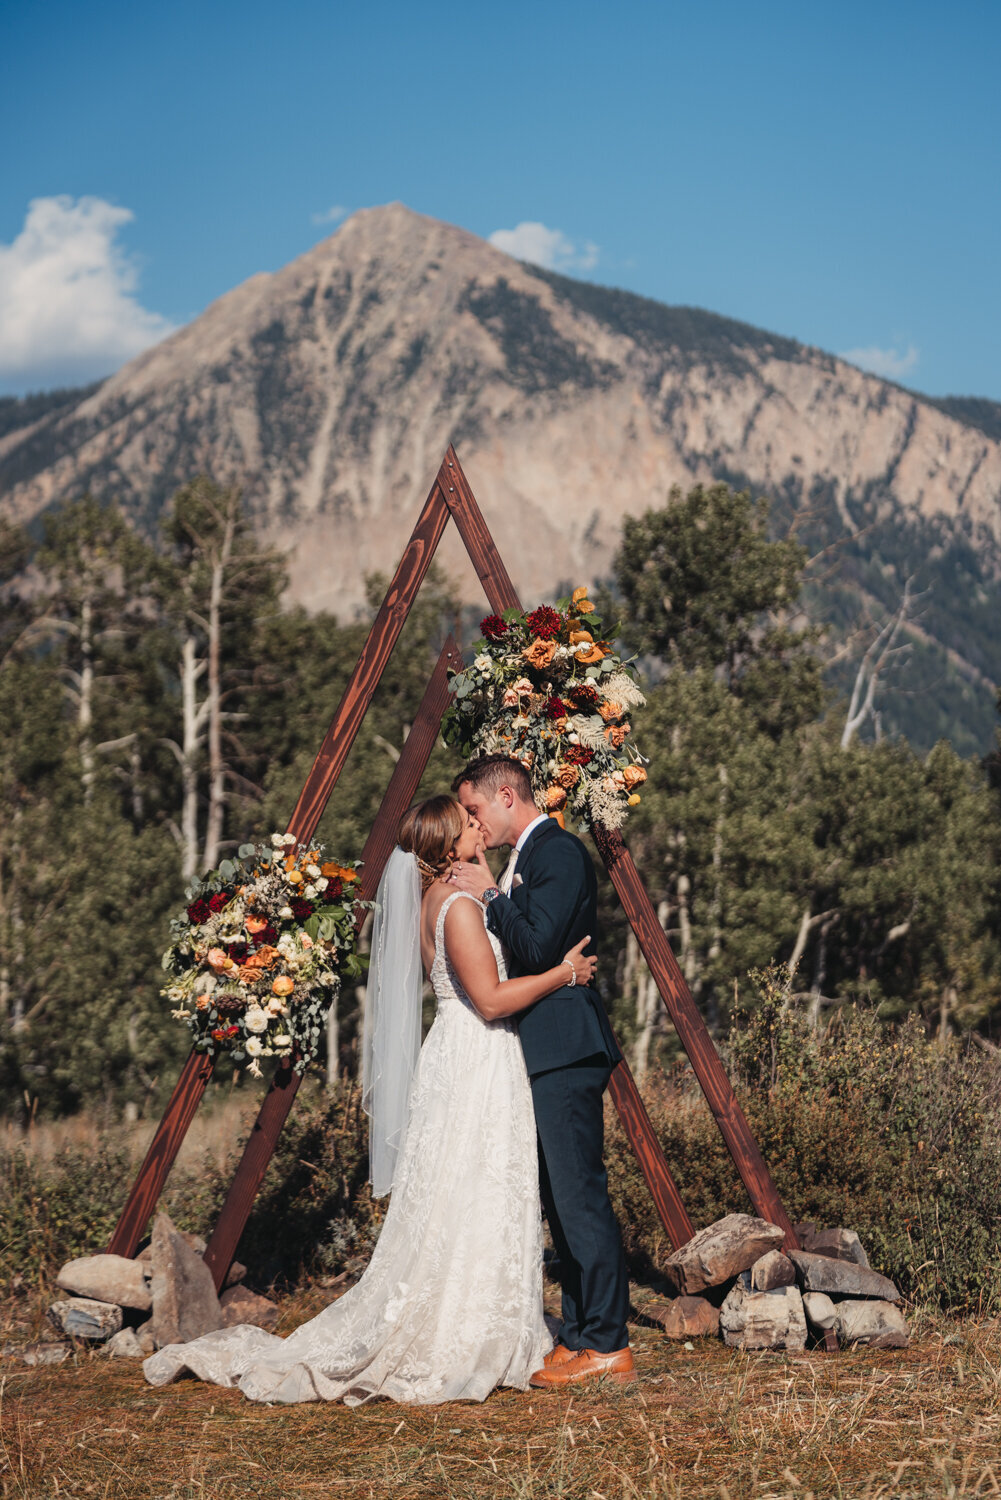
column 703, row 1421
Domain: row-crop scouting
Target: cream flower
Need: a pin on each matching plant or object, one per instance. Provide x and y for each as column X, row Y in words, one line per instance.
column 254, row 1046
column 285, row 913
column 288, row 839
column 312, row 871
column 277, row 841
column 322, row 883
column 483, row 662
column 256, row 1019
column 282, row 1041
column 309, row 892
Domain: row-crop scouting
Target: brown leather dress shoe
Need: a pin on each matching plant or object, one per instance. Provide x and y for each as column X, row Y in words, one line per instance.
column 588, row 1364
column 558, row 1355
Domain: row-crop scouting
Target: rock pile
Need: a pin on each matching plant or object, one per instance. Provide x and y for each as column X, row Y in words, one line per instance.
column 165, row 1296
column 732, row 1279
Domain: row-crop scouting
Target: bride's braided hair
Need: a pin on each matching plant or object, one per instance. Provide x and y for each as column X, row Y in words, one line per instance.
column 429, row 831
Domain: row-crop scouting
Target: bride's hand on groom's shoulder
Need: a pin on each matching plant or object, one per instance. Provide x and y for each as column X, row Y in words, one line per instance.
column 471, row 876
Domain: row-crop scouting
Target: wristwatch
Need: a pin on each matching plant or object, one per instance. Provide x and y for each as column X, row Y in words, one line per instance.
column 489, row 894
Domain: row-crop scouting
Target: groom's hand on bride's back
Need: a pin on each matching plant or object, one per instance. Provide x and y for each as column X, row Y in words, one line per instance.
column 474, row 877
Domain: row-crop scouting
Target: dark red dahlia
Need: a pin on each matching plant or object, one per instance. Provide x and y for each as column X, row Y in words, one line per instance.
column 218, row 901
column 266, row 935
column 301, row 909
column 578, row 755
column 236, row 951
column 334, row 889
column 199, row 911
column 584, row 695
column 544, row 622
column 493, row 628
column 556, row 708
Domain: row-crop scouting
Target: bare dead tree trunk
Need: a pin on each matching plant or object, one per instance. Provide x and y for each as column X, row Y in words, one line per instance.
column 193, row 715
column 648, row 1008
column 861, row 706
column 333, row 1046
column 217, row 772
column 688, row 965
column 85, row 706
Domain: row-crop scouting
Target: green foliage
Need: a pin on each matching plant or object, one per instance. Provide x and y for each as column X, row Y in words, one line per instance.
column 877, row 1129
column 702, row 586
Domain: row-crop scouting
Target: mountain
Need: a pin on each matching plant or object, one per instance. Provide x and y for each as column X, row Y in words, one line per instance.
column 330, row 389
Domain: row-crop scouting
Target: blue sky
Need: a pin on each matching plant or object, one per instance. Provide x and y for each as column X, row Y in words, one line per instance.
column 825, row 171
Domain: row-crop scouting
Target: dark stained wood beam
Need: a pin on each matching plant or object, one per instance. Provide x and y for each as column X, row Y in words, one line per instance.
column 159, row 1159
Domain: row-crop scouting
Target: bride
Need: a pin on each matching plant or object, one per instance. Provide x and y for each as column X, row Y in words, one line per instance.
column 451, row 1302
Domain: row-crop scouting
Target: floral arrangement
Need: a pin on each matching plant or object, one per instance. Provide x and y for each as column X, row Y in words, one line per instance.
column 258, row 954
column 545, row 688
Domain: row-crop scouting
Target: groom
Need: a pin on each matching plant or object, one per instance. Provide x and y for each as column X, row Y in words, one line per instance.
column 545, row 903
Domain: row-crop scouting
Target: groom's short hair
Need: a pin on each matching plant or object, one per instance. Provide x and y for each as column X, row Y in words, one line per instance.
column 488, row 773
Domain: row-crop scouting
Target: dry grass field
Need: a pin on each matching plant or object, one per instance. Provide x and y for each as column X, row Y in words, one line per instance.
column 699, row 1422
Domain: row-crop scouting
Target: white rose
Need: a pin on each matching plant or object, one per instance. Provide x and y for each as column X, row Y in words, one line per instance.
column 288, row 839
column 277, row 841
column 255, row 1046
column 282, row 1041
column 277, row 1006
column 286, row 913
column 483, row 662
column 312, row 871
column 322, row 883
column 256, row 1019
column 310, row 892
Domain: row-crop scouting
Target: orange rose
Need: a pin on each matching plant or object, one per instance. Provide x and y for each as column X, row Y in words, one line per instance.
column 253, row 967
column 283, row 985
column 633, row 776
column 585, row 607
column 615, row 734
column 589, row 656
column 203, row 1002
column 577, row 636
column 610, row 711
column 556, row 798
column 568, row 777
column 540, row 654
column 579, row 594
column 256, row 924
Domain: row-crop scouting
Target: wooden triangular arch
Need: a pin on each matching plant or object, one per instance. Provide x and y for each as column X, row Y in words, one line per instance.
column 450, row 496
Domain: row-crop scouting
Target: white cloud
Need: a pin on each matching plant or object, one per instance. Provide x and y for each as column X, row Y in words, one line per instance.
column 68, row 310
column 889, row 363
column 330, row 215
column 542, row 246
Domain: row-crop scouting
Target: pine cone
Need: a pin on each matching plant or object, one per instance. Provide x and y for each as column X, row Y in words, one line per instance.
column 230, row 1005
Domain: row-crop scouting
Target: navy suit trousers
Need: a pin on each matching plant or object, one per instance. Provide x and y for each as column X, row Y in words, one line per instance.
column 574, row 1185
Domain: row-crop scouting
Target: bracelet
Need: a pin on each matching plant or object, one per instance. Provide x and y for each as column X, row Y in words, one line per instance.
column 573, row 973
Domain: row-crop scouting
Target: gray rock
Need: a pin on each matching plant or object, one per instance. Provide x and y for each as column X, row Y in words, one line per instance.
column 819, row 1273
column 771, row 1271
column 838, row 1244
column 108, row 1278
column 124, row 1345
column 685, row 1317
column 763, row 1320
column 185, row 1304
column 37, row 1354
column 86, row 1318
column 235, row 1274
column 144, row 1333
column 878, row 1325
column 240, row 1306
column 821, row 1312
column 721, row 1251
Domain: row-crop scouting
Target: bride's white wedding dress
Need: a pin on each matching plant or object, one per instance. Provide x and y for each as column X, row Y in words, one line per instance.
column 451, row 1302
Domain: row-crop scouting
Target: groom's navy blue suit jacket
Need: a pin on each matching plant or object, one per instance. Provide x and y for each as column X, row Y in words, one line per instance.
column 552, row 906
